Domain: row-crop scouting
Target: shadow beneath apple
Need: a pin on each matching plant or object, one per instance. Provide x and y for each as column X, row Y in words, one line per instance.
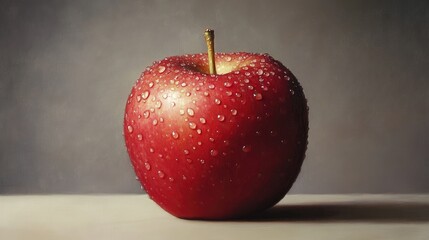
column 346, row 212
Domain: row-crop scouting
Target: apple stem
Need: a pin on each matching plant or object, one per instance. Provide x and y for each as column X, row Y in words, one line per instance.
column 209, row 35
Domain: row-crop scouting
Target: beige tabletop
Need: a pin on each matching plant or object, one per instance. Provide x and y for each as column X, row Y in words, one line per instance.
column 137, row 217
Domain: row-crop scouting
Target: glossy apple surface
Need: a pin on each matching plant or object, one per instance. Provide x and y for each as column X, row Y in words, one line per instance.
column 216, row 146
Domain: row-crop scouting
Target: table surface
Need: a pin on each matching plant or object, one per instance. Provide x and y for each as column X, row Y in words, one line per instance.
column 137, row 217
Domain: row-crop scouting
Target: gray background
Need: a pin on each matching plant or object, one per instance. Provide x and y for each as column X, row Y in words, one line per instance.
column 66, row 68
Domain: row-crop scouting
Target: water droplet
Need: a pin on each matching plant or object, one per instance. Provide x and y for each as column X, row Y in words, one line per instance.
column 130, row 129
column 292, row 92
column 234, row 112
column 186, row 152
column 181, row 111
column 203, row 120
column 259, row 72
column 158, row 104
column 161, row 174
column 173, row 104
column 227, row 84
column 257, row 96
column 250, row 87
column 199, row 143
column 206, row 94
column 211, row 86
column 189, row 160
column 190, row 112
column 145, row 95
column 139, row 98
column 140, row 137
column 171, row 179
column 228, row 93
column 183, row 84
column 214, row 152
column 151, row 84
column 155, row 122
column 221, row 118
column 202, row 161
column 211, row 139
column 199, row 131
column 217, row 101
column 228, row 58
column 246, row 148
column 192, row 125
column 161, row 119
column 165, row 95
column 161, row 69
column 147, row 166
column 146, row 114
column 175, row 135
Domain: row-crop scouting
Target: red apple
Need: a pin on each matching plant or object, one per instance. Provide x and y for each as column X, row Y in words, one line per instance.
column 216, row 146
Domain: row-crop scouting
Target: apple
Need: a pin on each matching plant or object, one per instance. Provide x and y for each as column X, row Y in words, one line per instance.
column 217, row 135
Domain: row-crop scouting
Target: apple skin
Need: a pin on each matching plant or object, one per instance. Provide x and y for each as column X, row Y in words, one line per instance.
column 216, row 146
